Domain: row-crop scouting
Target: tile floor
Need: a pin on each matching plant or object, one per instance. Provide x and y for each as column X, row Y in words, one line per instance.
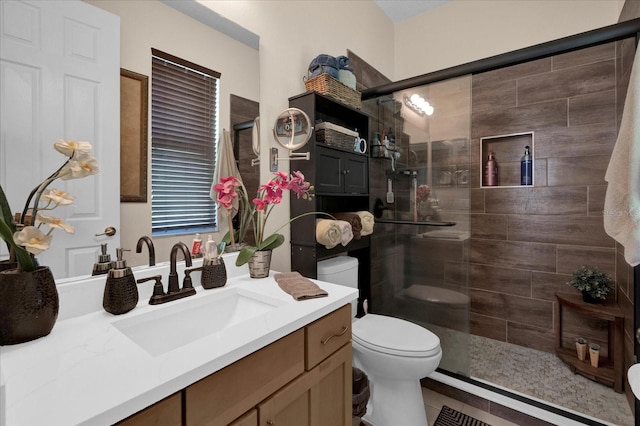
column 433, row 401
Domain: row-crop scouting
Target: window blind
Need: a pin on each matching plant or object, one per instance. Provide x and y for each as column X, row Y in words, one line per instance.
column 184, row 122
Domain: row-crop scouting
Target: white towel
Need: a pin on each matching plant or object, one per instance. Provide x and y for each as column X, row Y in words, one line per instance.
column 328, row 233
column 368, row 221
column 622, row 201
column 345, row 230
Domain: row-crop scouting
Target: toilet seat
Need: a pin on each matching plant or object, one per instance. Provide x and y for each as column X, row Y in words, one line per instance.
column 394, row 336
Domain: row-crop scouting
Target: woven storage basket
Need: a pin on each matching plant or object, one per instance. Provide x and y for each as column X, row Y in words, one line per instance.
column 334, row 135
column 327, row 85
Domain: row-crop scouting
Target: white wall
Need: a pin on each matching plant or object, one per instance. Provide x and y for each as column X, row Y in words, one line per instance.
column 146, row 24
column 462, row 31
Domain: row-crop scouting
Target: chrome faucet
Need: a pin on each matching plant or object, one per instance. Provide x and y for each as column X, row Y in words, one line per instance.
column 174, row 291
column 152, row 250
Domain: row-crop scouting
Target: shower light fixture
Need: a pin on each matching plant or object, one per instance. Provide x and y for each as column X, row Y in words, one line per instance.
column 418, row 104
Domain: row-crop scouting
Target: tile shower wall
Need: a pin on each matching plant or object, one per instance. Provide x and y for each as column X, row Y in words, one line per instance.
column 525, row 242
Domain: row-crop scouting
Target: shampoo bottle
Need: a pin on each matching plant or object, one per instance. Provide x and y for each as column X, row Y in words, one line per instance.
column 210, row 248
column 526, row 167
column 491, row 171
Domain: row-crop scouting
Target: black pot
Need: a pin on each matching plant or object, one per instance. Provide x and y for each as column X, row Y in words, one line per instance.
column 590, row 299
column 28, row 305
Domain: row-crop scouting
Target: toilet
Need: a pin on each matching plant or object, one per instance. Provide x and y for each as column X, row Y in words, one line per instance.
column 394, row 353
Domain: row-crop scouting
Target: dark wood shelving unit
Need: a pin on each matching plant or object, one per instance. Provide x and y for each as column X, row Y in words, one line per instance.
column 610, row 370
column 341, row 181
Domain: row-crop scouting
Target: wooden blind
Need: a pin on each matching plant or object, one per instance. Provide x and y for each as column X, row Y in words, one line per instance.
column 184, row 128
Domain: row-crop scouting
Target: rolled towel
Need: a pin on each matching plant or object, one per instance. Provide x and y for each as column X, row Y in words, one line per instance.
column 328, row 233
column 345, row 230
column 354, row 220
column 299, row 287
column 367, row 221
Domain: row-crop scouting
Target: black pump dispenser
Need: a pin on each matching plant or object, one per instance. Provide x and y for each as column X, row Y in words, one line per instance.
column 120, row 291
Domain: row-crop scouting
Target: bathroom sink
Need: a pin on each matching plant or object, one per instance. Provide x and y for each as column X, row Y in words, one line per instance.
column 179, row 323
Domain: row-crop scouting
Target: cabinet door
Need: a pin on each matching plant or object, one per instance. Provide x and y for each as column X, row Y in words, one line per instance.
column 330, row 171
column 320, row 397
column 249, row 419
column 356, row 180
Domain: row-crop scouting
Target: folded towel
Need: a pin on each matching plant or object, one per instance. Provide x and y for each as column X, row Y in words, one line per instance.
column 367, row 220
column 354, row 220
column 345, row 231
column 328, row 233
column 622, row 200
column 299, row 287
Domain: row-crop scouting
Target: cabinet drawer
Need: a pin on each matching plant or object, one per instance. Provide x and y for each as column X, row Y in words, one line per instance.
column 224, row 396
column 326, row 335
column 166, row 412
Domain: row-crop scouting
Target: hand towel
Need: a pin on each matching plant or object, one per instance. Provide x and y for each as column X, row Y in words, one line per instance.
column 367, row 220
column 299, row 287
column 345, row 230
column 622, row 200
column 328, row 233
column 354, row 220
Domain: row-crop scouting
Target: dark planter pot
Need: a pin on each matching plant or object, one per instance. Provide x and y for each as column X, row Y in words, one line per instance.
column 590, row 299
column 28, row 305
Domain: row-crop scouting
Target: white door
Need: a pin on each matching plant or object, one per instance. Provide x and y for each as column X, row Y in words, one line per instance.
column 59, row 79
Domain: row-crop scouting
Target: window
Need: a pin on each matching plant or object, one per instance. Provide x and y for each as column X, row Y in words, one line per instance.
column 184, row 129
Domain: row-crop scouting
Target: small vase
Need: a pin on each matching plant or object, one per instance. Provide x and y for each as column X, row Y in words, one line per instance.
column 28, row 305
column 594, row 354
column 581, row 348
column 259, row 264
column 586, row 297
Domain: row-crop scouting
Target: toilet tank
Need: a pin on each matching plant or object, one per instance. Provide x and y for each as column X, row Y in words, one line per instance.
column 342, row 270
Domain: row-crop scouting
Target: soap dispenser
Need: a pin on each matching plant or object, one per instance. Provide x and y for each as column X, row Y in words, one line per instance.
column 120, row 292
column 104, row 262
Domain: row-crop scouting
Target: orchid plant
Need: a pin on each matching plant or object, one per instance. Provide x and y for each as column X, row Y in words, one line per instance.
column 259, row 209
column 23, row 234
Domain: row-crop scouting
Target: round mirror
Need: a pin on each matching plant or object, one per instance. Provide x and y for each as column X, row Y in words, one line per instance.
column 292, row 129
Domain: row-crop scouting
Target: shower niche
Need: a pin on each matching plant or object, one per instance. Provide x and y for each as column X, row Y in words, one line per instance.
column 508, row 151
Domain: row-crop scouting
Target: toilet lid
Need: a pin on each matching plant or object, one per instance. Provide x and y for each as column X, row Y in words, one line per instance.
column 394, row 336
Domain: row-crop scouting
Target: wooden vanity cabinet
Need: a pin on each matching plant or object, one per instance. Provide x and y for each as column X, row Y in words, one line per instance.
column 302, row 379
column 167, row 412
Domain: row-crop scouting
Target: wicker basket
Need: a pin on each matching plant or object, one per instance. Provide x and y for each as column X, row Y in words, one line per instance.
column 334, row 135
column 327, row 85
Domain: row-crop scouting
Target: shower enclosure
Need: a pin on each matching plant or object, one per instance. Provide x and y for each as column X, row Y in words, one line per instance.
column 477, row 264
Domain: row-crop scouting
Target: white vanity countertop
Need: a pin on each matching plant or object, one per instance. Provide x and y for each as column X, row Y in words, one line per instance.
column 88, row 372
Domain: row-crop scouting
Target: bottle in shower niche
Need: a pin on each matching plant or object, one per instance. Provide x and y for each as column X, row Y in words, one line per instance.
column 491, row 171
column 526, row 167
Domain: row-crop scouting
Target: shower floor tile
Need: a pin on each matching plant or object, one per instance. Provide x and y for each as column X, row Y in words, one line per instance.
column 544, row 376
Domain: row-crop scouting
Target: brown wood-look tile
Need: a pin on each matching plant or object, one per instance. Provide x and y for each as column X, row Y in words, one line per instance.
column 594, row 108
column 501, row 121
column 512, row 308
column 571, row 258
column 577, row 170
column 366, row 75
column 554, row 229
column 626, row 305
column 575, row 325
column 477, row 200
column 487, row 326
column 596, row 199
column 511, row 254
column 502, row 280
column 584, row 56
column 596, row 139
column 545, row 285
column 537, row 200
column 512, row 72
column 539, row 172
column 489, row 226
column 457, row 274
column 624, row 276
column 542, row 339
column 566, row 83
column 486, row 96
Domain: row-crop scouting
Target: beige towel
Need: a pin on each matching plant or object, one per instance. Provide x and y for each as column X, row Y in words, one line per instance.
column 328, row 233
column 368, row 221
column 622, row 201
column 345, row 231
column 354, row 220
column 299, row 287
